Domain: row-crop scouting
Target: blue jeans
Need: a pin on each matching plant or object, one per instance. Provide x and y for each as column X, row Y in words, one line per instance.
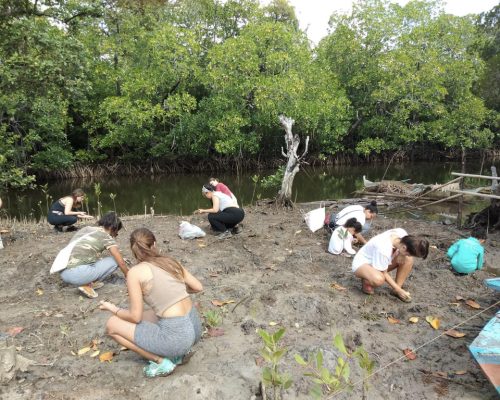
column 84, row 274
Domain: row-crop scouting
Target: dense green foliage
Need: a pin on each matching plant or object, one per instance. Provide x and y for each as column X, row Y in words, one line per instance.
column 139, row 81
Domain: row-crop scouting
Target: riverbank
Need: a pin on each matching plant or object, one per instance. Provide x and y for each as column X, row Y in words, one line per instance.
column 274, row 274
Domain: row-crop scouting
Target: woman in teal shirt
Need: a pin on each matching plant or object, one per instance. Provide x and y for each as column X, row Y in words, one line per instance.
column 467, row 255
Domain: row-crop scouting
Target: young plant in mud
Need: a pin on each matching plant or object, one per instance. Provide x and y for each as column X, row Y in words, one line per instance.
column 97, row 191
column 48, row 197
column 112, row 196
column 255, row 180
column 213, row 318
column 328, row 382
column 273, row 353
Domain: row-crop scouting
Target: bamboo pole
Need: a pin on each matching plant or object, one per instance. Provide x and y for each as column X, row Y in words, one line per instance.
column 440, row 201
column 475, row 176
column 488, row 196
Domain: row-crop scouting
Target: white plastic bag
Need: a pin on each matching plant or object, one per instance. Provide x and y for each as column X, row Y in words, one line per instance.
column 190, row 231
column 62, row 257
column 315, row 219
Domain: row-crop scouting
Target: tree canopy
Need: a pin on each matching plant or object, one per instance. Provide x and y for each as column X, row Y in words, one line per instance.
column 95, row 81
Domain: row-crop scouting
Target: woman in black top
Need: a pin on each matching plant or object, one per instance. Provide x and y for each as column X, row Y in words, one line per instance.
column 63, row 211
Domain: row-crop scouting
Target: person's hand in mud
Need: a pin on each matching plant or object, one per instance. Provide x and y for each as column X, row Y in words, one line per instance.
column 403, row 294
column 200, row 211
column 107, row 306
column 83, row 215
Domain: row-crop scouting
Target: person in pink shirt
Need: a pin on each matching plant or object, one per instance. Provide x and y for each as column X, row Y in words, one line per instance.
column 220, row 187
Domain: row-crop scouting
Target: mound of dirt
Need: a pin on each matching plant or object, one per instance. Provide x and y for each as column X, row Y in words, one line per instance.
column 276, row 273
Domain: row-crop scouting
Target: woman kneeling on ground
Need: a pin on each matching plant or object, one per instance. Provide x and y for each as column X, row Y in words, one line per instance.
column 225, row 215
column 392, row 249
column 166, row 333
column 63, row 212
column 86, row 268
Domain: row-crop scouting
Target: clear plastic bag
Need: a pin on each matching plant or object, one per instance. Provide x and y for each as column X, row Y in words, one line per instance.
column 190, row 231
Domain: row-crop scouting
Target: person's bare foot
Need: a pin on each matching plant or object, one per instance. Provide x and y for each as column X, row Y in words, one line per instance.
column 366, row 288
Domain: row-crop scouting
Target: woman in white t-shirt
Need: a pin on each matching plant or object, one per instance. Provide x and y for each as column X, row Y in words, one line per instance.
column 225, row 214
column 391, row 250
column 364, row 215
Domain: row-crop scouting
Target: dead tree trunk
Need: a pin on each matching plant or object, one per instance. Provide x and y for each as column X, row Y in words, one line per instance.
column 293, row 161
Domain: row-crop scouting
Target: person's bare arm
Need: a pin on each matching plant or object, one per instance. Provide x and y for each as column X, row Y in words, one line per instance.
column 134, row 313
column 395, row 286
column 214, row 209
column 193, row 285
column 115, row 252
column 360, row 238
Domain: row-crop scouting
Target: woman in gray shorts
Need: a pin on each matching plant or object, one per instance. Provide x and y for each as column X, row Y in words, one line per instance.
column 166, row 333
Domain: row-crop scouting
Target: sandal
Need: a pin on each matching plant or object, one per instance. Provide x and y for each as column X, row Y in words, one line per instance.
column 403, row 299
column 88, row 291
column 96, row 285
column 166, row 367
column 183, row 359
column 366, row 288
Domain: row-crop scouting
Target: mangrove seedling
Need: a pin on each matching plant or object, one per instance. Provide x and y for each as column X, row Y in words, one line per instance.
column 97, row 191
column 213, row 318
column 272, row 354
column 112, row 196
column 326, row 382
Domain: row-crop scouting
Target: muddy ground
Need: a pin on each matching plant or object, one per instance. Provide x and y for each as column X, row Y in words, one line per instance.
column 275, row 271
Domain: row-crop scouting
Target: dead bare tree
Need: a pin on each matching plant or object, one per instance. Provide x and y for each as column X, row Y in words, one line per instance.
column 292, row 141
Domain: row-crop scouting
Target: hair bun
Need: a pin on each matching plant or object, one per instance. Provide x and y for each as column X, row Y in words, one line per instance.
column 373, row 203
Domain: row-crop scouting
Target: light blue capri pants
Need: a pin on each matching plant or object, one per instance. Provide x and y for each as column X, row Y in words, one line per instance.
column 84, row 274
column 169, row 337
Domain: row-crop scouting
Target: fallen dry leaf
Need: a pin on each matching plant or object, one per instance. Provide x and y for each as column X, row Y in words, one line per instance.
column 214, row 332
column 15, row 330
column 213, row 275
column 410, row 355
column 73, row 353
column 336, row 286
column 297, row 232
column 473, row 304
column 461, row 372
column 393, row 320
column 259, row 361
column 459, row 298
column 442, row 374
column 39, row 291
column 220, row 303
column 202, row 245
column 4, row 231
column 95, row 354
column 83, row 350
column 272, row 323
column 433, row 321
column 455, row 304
column 108, row 356
column 123, row 348
column 413, row 320
column 455, row 334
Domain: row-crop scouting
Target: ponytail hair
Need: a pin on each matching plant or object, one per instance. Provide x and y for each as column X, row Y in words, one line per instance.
column 142, row 242
column 353, row 223
column 416, row 246
column 372, row 207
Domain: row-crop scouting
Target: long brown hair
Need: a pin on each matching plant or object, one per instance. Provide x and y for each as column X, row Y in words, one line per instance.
column 142, row 242
column 77, row 193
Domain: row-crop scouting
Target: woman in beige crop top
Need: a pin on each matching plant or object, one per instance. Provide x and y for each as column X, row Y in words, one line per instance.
column 164, row 334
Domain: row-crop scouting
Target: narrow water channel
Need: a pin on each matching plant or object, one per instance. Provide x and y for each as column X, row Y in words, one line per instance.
column 180, row 194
